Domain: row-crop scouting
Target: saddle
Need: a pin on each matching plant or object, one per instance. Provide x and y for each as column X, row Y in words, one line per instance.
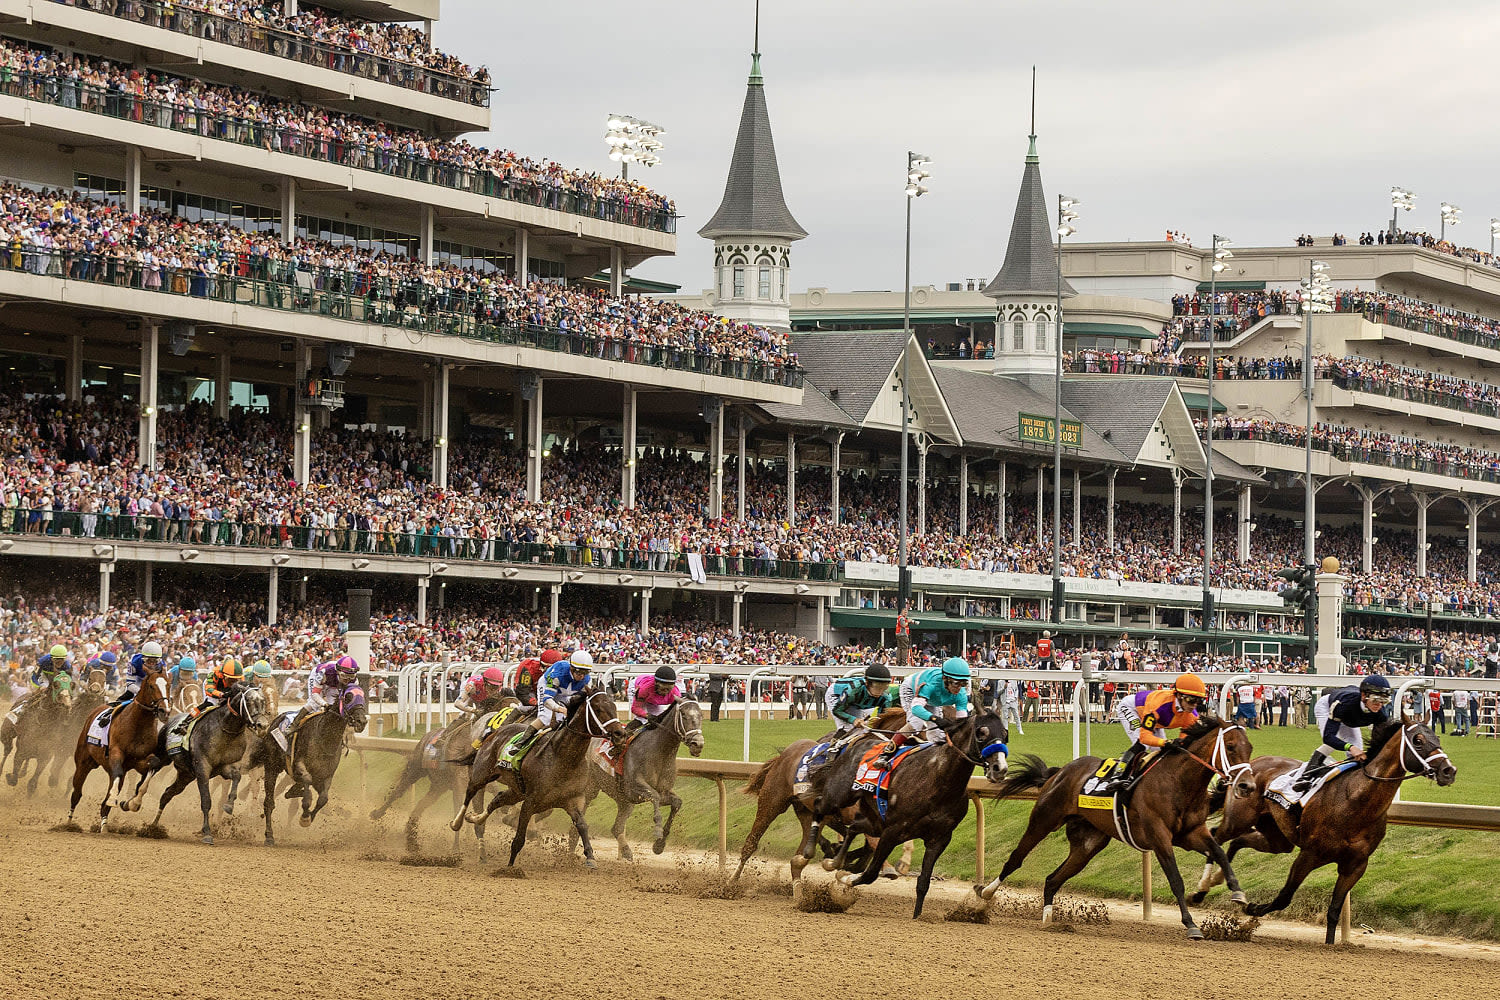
column 511, row 754
column 1114, row 779
column 179, row 731
column 1280, row 791
column 874, row 776
column 98, row 734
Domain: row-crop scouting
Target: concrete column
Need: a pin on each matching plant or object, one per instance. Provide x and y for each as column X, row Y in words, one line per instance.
column 150, row 342
column 645, row 611
column 424, row 408
column 1244, row 525
column 1177, row 512
column 716, row 464
column 534, row 438
column 1472, row 573
column 1000, row 499
column 146, row 581
column 288, row 210
column 739, row 605
column 106, row 568
column 822, row 616
column 1329, row 657
column 289, row 7
column 740, row 486
column 523, row 256
column 273, row 599
column 616, row 271
column 302, row 417
column 440, row 377
column 627, row 447
column 1367, row 522
column 73, row 391
column 922, row 447
column 791, row 478
column 1423, row 502
column 426, row 225
column 1109, row 514
column 223, row 387
column 963, row 495
column 133, row 160
column 422, row 584
column 427, row 32
column 552, row 609
column 1077, row 507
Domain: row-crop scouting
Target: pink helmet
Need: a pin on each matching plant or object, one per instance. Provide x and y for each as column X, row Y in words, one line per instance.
column 494, row 676
column 347, row 666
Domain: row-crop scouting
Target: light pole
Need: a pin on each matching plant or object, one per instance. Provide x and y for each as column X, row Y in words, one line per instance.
column 1222, row 255
column 1066, row 216
column 632, row 140
column 916, row 173
column 1401, row 200
column 1316, row 298
column 1449, row 215
column 1494, row 231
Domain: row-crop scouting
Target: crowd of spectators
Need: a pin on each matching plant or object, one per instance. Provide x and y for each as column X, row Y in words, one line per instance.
column 235, row 114
column 1352, row 444
column 391, row 53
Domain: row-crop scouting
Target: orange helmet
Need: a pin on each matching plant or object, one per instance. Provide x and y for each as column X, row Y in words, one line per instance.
column 1191, row 685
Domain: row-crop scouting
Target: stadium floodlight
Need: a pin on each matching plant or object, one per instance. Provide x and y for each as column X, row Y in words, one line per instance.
column 1221, row 255
column 633, row 140
column 1494, row 231
column 916, row 173
column 1067, row 214
column 1402, row 200
column 1449, row 215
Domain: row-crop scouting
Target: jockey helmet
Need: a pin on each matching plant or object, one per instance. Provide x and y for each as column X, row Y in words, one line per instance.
column 956, row 668
column 348, row 667
column 582, row 660
column 877, row 673
column 187, row 665
column 1375, row 685
column 1190, row 685
column 108, row 658
column 260, row 669
column 232, row 670
column 494, row 676
column 665, row 675
column 59, row 652
column 551, row 656
column 151, row 650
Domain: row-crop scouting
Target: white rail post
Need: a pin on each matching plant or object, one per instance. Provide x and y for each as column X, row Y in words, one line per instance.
column 749, row 687
column 1417, row 687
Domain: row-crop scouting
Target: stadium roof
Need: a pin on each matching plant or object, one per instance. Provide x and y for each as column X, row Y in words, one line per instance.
column 1030, row 266
column 753, row 203
column 987, row 408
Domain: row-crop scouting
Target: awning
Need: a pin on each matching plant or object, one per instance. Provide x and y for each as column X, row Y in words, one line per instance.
column 1106, row 330
column 1233, row 286
column 1199, row 401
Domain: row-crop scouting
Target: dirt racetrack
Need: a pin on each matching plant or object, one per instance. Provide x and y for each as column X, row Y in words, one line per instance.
column 331, row 912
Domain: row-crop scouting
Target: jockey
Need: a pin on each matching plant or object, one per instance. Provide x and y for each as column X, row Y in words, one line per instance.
column 1341, row 714
column 924, row 695
column 481, row 687
column 49, row 666
column 105, row 661
column 225, row 676
column 651, row 695
column 852, row 700
column 184, row 672
column 149, row 658
column 561, row 682
column 327, row 683
column 1149, row 713
column 259, row 671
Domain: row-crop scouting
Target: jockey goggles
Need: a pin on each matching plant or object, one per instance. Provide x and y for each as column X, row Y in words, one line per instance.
column 1190, row 701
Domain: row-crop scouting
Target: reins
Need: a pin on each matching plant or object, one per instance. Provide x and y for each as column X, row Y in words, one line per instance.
column 1221, row 752
column 1406, row 744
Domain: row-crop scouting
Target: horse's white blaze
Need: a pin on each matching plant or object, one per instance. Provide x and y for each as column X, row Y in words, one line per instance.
column 161, row 686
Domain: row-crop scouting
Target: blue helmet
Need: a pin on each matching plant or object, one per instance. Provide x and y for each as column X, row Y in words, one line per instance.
column 956, row 668
column 1375, row 684
column 187, row 665
column 108, row 658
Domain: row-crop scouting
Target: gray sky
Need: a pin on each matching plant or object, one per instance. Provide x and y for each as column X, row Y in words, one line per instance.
column 1258, row 121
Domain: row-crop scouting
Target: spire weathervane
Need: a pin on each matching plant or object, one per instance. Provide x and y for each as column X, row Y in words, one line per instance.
column 756, row 50
column 1031, row 156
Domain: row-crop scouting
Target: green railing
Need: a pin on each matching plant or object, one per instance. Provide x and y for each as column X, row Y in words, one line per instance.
column 355, row 153
column 413, row 305
column 1484, row 469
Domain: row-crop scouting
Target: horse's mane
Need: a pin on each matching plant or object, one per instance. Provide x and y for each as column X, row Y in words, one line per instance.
column 1206, row 724
column 580, row 697
column 886, row 719
column 1380, row 735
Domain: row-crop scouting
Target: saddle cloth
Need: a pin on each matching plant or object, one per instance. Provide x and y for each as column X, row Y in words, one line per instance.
column 815, row 757
column 180, row 731
column 878, row 782
column 281, row 730
column 508, row 759
column 489, row 724
column 1279, row 790
column 599, row 753
column 99, row 729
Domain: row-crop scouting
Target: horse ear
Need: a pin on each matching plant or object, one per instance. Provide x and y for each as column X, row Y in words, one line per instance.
column 1405, row 717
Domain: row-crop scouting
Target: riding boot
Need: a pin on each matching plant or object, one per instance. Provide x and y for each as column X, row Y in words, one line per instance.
column 1311, row 771
column 884, row 760
column 1129, row 760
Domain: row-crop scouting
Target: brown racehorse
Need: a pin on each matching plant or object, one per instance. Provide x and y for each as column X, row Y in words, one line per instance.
column 1342, row 824
column 772, row 787
column 1169, row 808
column 133, row 734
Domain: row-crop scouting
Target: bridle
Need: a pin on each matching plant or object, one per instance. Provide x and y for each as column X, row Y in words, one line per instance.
column 981, row 753
column 1230, row 771
column 592, row 719
column 1407, row 773
column 684, row 735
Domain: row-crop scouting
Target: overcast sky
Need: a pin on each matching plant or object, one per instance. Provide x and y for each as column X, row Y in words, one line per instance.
column 1258, row 121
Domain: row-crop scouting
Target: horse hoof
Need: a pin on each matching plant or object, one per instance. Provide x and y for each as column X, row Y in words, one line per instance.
column 209, row 840
column 270, row 841
column 659, row 846
column 1194, row 934
column 1198, row 897
column 374, row 814
column 229, row 809
column 304, row 821
column 827, row 865
column 1047, row 915
column 1238, row 898
column 590, row 865
column 12, row 780
column 626, row 854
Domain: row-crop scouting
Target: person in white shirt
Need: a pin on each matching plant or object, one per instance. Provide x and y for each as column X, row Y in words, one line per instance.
column 1460, row 712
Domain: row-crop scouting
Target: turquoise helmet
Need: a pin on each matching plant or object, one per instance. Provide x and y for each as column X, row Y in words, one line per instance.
column 956, row 668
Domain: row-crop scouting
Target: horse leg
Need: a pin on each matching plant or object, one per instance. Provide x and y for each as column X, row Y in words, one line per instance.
column 519, row 840
column 1303, row 865
column 581, row 824
column 39, row 764
column 470, row 790
column 116, row 780
column 674, row 803
column 907, row 850
column 1038, row 828
column 1213, row 874
column 134, row 805
column 56, row 773
column 179, row 782
column 321, row 787
column 1203, row 841
column 767, row 808
column 412, row 821
column 1349, row 873
column 403, row 782
column 623, row 809
column 932, row 849
column 234, row 791
column 841, row 856
column 268, row 807
column 1084, row 841
column 83, row 763
column 1168, row 861
column 877, row 861
column 205, row 796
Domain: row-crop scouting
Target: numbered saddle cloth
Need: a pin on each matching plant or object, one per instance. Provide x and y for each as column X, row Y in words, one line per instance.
column 99, row 728
column 815, row 757
column 1279, row 790
column 281, row 730
column 490, row 723
column 180, row 731
column 872, row 778
column 599, row 753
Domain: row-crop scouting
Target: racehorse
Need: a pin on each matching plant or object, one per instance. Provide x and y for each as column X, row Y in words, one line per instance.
column 772, row 785
column 133, row 733
column 928, row 796
column 437, row 758
column 214, row 749
column 1341, row 824
column 650, row 771
column 1168, row 808
column 315, row 751
column 36, row 727
column 552, row 773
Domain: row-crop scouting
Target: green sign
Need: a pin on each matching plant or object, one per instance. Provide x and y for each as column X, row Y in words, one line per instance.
column 1043, row 430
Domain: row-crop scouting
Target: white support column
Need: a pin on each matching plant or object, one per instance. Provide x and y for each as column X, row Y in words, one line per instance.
column 422, row 583
column 1177, row 512
column 628, row 417
column 426, row 225
column 534, row 439
column 923, row 445
column 739, row 606
column 963, row 495
column 440, row 377
column 716, row 461
column 302, row 417
column 646, row 611
column 1109, row 514
column 288, row 210
column 289, row 8
column 1244, row 525
column 133, row 162
column 791, row 478
column 150, row 342
column 1472, row 573
column 822, row 617
column 523, row 256
column 147, row 578
column 552, row 606
column 424, row 409
column 223, row 387
column 616, row 271
column 273, row 598
column 1000, row 499
column 73, row 391
column 1367, row 523
column 1424, row 501
column 1329, row 658
column 740, row 485
column 836, row 452
column 1077, row 507
column 105, row 569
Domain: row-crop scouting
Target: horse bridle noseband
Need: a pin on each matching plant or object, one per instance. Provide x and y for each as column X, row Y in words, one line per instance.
column 684, row 735
column 1428, row 771
column 1230, row 771
column 592, row 718
column 985, row 752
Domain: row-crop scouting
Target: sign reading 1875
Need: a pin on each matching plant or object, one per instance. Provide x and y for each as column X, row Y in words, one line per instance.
column 1043, row 430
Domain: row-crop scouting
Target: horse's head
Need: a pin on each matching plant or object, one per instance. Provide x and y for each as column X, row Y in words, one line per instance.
column 62, row 691
column 155, row 695
column 248, row 701
column 1421, row 751
column 687, row 721
column 595, row 713
column 988, row 745
column 1223, row 747
column 354, row 709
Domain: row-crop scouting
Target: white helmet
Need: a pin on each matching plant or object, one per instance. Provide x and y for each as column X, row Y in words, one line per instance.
column 150, row 649
column 582, row 660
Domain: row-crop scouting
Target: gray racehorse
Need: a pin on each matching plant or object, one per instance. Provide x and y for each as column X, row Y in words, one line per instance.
column 649, row 772
column 215, row 748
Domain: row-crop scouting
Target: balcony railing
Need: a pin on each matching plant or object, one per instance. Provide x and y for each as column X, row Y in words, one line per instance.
column 258, row 37
column 1484, row 467
column 408, row 304
column 353, row 153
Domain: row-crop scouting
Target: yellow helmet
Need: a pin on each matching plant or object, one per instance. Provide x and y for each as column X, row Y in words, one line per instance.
column 232, row 669
column 1191, row 685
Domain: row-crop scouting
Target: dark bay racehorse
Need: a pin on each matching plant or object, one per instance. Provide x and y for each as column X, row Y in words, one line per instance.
column 1168, row 808
column 437, row 759
column 317, row 749
column 215, row 748
column 773, row 787
column 552, row 774
column 37, row 727
column 133, row 734
column 1342, row 824
column 928, row 797
column 650, row 771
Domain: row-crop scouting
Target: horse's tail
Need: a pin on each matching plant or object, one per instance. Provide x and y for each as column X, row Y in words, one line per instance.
column 1024, row 773
column 758, row 779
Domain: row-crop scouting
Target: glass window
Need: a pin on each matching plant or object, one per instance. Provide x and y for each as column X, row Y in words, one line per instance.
column 1041, row 335
column 1017, row 336
column 764, row 291
column 739, row 282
